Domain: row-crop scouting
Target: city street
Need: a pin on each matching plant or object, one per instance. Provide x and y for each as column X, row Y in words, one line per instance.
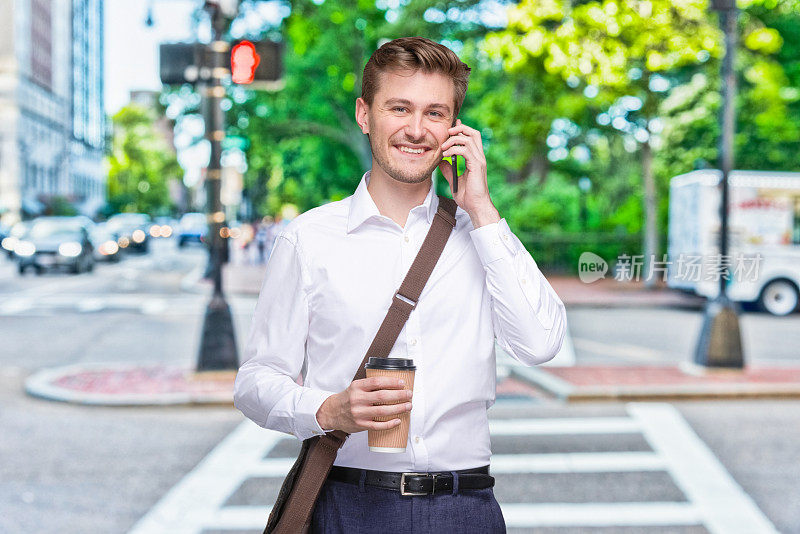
column 680, row 467
column 641, row 154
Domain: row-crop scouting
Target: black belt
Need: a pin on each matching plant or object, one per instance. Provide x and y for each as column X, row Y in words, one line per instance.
column 415, row 483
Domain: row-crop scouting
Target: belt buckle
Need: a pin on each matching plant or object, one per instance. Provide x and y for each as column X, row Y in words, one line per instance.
column 403, row 484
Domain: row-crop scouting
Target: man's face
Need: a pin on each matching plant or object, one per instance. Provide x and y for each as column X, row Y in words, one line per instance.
column 409, row 109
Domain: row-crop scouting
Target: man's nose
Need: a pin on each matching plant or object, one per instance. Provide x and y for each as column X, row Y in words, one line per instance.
column 416, row 128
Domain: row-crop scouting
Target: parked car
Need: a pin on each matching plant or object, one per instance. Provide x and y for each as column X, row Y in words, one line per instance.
column 131, row 230
column 192, row 227
column 15, row 232
column 105, row 244
column 55, row 242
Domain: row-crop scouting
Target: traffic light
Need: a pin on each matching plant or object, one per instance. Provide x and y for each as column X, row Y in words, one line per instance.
column 244, row 62
column 258, row 64
column 268, row 58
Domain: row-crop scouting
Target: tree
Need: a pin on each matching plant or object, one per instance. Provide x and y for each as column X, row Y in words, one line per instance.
column 627, row 50
column 140, row 163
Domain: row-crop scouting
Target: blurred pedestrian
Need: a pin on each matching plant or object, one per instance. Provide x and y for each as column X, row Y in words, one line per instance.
column 262, row 238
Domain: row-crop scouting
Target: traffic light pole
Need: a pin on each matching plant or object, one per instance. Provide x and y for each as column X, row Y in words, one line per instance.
column 218, row 343
column 720, row 343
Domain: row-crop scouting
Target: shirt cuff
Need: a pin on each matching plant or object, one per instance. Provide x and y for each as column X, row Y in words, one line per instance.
column 494, row 241
column 305, row 413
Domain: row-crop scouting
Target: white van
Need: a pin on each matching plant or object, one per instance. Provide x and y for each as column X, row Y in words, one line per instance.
column 764, row 236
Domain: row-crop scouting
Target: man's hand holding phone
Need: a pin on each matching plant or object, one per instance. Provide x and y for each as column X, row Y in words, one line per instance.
column 472, row 193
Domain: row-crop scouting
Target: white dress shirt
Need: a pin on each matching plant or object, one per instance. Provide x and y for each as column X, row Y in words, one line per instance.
column 329, row 283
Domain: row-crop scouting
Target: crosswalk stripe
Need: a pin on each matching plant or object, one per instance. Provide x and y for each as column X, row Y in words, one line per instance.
column 726, row 508
column 14, row 306
column 190, row 504
column 91, row 305
column 566, row 425
column 578, row 462
column 640, row 514
column 239, row 518
column 144, row 304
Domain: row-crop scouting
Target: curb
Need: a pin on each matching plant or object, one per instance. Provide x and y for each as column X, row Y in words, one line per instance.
column 568, row 392
column 217, row 386
column 577, row 304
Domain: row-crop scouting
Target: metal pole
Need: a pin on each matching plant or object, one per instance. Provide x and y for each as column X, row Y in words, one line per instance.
column 720, row 343
column 728, row 23
column 218, row 343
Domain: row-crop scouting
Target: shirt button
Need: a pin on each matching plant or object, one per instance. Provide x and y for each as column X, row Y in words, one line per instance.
column 406, row 238
column 414, row 341
column 505, row 237
column 523, row 281
column 416, row 439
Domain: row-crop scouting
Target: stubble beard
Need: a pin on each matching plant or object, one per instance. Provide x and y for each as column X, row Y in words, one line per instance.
column 395, row 169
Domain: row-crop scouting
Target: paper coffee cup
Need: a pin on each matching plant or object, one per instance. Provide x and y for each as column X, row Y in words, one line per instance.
column 393, row 439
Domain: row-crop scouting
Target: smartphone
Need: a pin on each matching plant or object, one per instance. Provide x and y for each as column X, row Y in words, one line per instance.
column 454, row 159
column 455, row 174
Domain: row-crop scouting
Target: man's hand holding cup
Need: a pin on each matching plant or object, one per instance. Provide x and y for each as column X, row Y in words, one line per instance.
column 356, row 408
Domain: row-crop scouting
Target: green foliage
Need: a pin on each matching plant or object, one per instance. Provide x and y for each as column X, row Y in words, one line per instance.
column 59, row 205
column 544, row 93
column 305, row 147
column 140, row 164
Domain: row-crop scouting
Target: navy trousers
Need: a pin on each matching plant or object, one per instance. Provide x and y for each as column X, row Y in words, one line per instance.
column 344, row 508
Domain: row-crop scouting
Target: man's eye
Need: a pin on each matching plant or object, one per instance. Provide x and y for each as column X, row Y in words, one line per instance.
column 436, row 112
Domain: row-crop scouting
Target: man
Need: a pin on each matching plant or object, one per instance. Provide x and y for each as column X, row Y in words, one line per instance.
column 329, row 284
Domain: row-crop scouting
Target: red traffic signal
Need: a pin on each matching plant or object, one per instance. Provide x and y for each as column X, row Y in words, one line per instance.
column 244, row 60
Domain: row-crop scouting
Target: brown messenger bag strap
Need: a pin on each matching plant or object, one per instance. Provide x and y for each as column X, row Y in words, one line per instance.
column 322, row 451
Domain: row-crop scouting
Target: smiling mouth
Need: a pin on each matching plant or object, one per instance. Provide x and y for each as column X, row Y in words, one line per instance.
column 410, row 155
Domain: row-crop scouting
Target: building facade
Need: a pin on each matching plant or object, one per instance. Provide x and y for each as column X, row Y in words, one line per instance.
column 52, row 124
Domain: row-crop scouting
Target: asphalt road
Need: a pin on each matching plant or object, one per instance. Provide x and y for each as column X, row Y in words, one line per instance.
column 598, row 467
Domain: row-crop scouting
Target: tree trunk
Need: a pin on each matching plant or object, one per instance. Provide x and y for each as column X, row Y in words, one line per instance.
column 650, row 222
column 537, row 165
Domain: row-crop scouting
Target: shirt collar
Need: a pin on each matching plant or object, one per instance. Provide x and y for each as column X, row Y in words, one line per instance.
column 362, row 206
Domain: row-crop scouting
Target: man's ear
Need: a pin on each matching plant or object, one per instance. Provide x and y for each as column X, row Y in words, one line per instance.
column 362, row 110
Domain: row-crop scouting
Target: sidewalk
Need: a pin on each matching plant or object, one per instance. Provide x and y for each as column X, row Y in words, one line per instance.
column 160, row 385
column 661, row 382
column 137, row 385
column 607, row 292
